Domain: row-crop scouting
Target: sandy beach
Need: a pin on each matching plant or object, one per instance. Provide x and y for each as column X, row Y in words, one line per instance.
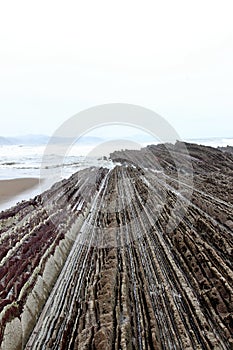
column 9, row 189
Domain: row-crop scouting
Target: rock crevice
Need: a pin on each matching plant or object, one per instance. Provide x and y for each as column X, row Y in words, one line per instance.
column 110, row 259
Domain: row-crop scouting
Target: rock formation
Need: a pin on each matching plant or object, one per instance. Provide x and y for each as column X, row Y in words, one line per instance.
column 136, row 257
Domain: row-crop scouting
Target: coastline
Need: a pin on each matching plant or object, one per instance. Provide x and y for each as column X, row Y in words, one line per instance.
column 15, row 190
column 173, row 241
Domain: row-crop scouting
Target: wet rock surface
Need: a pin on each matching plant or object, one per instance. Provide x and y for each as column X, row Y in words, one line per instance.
column 136, row 257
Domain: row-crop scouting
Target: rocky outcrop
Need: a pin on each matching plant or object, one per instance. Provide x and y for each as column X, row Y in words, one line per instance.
column 36, row 238
column 136, row 257
column 228, row 149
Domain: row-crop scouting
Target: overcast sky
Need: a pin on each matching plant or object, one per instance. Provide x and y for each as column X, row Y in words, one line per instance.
column 60, row 57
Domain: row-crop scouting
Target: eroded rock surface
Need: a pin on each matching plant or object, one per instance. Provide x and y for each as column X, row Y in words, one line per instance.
column 137, row 257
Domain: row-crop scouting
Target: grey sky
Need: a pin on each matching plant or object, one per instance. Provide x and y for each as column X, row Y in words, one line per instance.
column 60, row 57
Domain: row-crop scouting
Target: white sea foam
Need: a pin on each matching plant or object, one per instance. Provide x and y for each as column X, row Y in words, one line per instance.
column 213, row 142
column 26, row 161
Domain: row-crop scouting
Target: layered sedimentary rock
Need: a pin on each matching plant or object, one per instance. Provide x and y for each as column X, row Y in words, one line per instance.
column 136, row 257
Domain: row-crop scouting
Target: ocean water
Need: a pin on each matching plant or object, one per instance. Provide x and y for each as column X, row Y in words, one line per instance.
column 17, row 161
column 213, row 142
column 28, row 161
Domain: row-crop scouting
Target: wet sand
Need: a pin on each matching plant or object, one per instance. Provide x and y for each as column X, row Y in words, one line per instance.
column 15, row 187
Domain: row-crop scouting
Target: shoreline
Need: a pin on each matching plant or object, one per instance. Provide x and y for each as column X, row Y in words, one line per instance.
column 15, row 190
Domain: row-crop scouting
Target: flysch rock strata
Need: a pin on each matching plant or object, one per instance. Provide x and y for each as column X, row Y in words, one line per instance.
column 136, row 257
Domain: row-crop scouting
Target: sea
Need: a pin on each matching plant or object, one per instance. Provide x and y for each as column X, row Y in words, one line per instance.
column 30, row 161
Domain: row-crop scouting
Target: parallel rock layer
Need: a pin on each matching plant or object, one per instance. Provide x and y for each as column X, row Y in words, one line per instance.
column 137, row 257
